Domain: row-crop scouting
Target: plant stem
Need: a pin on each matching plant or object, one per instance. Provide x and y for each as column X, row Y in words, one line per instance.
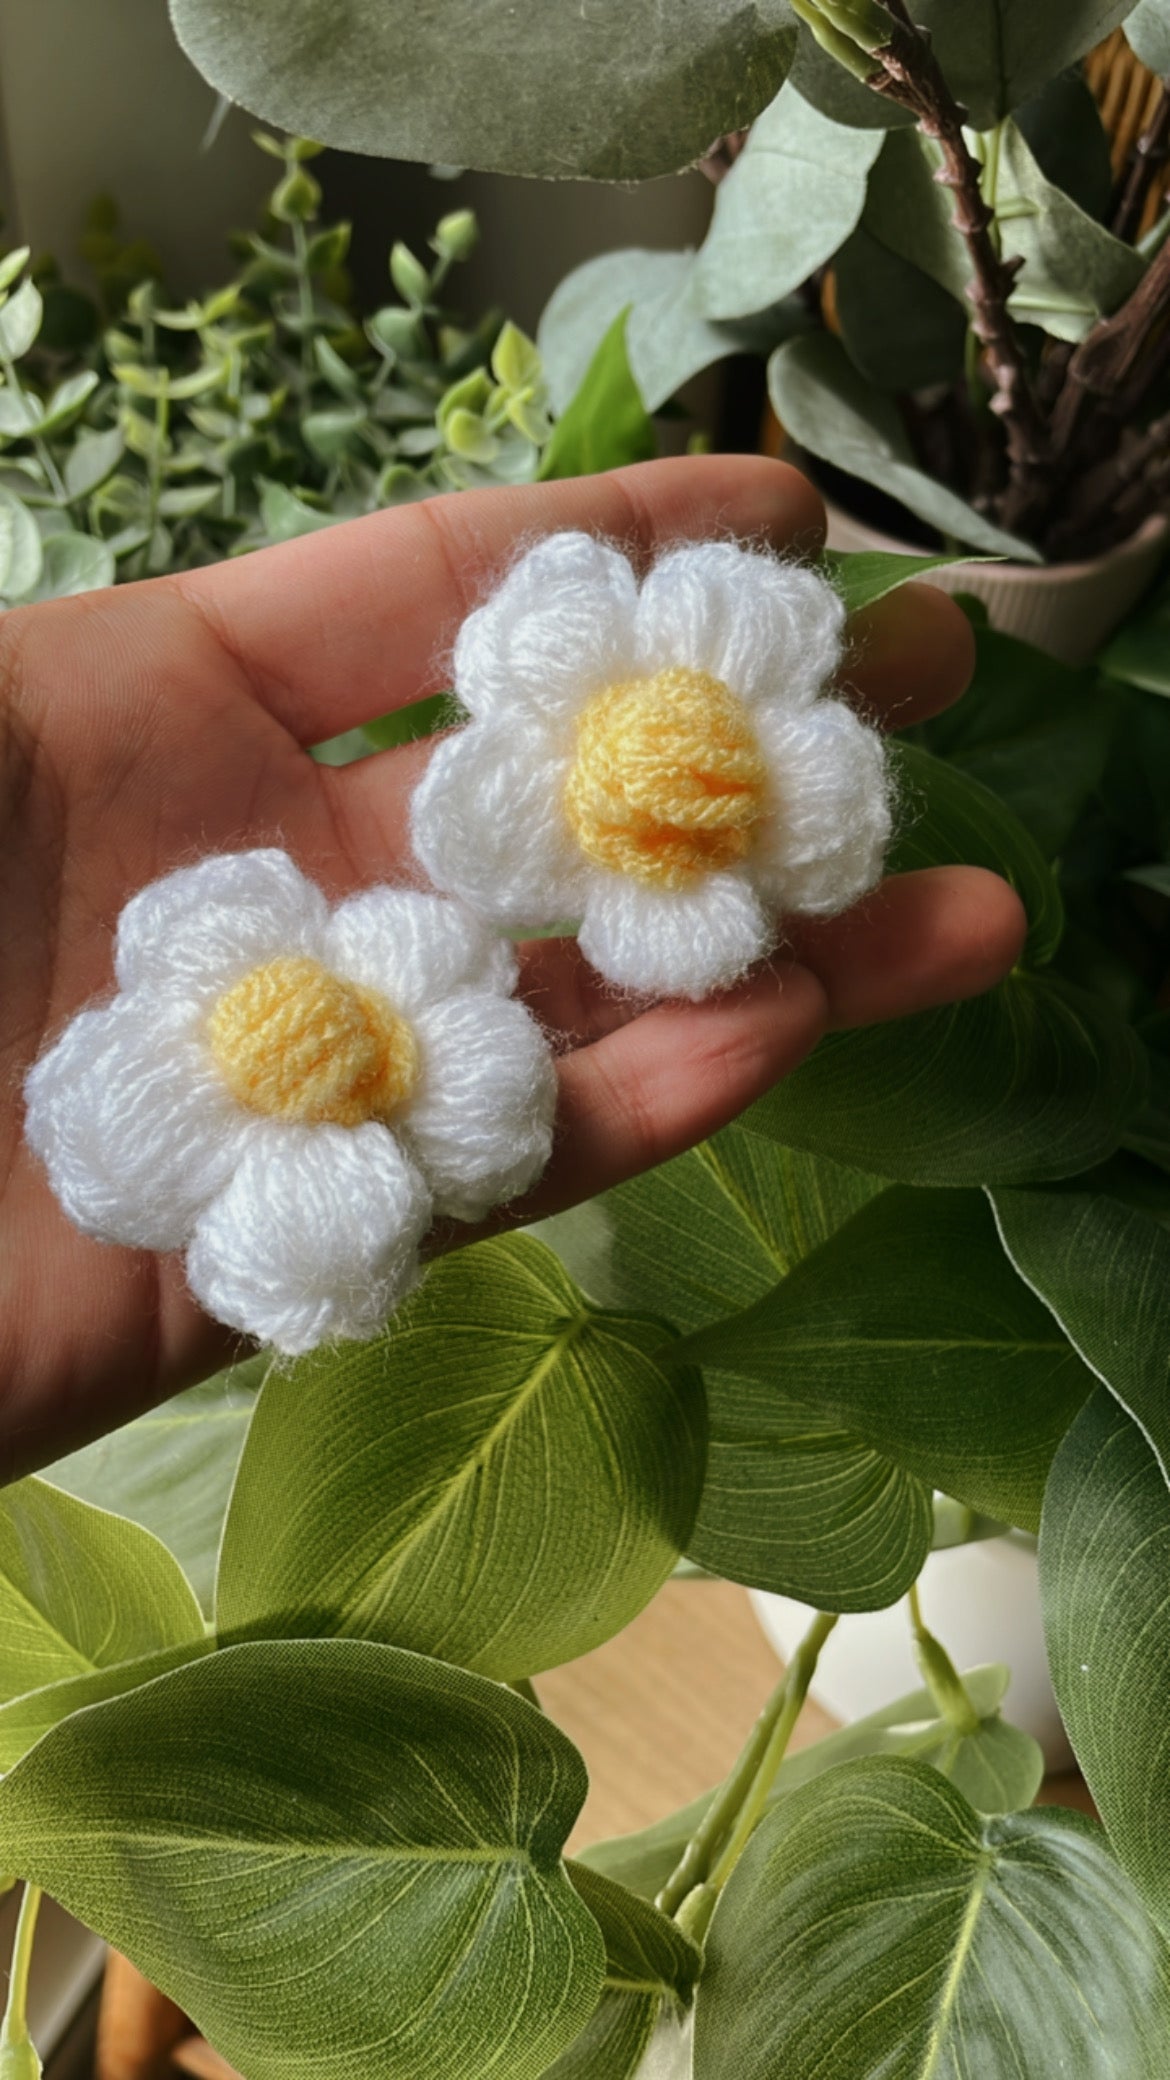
column 940, row 1675
column 305, row 306
column 1149, row 157
column 14, row 2028
column 40, row 445
column 746, row 1789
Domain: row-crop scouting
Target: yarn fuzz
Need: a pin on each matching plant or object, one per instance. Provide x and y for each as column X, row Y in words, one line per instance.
column 291, row 1093
column 662, row 763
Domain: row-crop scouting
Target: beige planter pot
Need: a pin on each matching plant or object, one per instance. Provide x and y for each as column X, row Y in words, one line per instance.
column 1068, row 609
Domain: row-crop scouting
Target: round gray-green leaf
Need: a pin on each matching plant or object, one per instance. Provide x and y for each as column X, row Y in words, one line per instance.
column 72, row 563
column 504, row 1479
column 876, row 1925
column 619, row 90
column 338, row 1858
column 21, row 554
column 1148, row 31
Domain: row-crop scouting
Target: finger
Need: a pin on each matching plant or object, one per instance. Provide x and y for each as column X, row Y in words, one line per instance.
column 665, row 1080
column 921, row 939
column 339, row 626
column 910, row 655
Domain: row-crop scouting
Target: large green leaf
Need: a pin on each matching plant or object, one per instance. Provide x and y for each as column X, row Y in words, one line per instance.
column 875, row 1925
column 1033, row 730
column 1104, row 1565
column 829, row 408
column 668, row 336
column 338, row 1858
column 1074, row 271
column 950, row 816
column 792, row 197
column 1148, row 30
column 995, row 54
column 649, row 1967
column 25, row 1719
column 606, row 423
column 503, row 1479
column 616, row 91
column 909, row 1328
column 902, row 331
column 172, row 1469
column 998, row 1768
column 81, row 1590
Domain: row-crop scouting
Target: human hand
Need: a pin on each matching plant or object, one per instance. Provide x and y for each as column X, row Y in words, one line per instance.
column 143, row 727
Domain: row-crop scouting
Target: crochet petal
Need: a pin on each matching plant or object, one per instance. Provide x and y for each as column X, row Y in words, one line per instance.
column 134, row 1127
column 415, row 949
column 560, row 625
column 480, row 1128
column 315, row 1237
column 765, row 628
column 198, row 930
column 673, row 943
column 826, row 835
column 489, row 826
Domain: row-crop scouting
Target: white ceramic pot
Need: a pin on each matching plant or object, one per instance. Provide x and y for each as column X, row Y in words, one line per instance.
column 982, row 1601
column 1068, row 609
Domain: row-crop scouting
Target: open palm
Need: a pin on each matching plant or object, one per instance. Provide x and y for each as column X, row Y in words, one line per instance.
column 144, row 727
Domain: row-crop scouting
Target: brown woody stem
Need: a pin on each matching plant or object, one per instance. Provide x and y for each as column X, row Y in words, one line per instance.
column 1149, row 157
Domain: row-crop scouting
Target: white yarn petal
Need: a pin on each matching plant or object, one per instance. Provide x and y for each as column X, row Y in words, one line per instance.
column 133, row 1125
column 416, row 948
column 480, row 1128
column 671, row 942
column 765, row 628
column 560, row 625
column 201, row 928
column 315, row 1237
column 827, row 831
column 489, row 826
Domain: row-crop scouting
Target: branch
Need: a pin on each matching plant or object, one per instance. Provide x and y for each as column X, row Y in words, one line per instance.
column 1116, row 364
column 1114, row 497
column 718, row 162
column 1149, row 156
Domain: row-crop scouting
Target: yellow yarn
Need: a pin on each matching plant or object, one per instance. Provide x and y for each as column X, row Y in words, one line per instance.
column 294, row 1042
column 668, row 780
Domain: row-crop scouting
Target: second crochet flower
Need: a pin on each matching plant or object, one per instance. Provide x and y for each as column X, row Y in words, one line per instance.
column 291, row 1092
column 660, row 764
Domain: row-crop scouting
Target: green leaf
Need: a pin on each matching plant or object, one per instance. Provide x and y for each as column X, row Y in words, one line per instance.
column 1033, row 1081
column 21, row 555
column 92, row 458
column 1063, row 129
column 72, row 563
column 25, row 1720
column 1148, row 30
column 1074, row 270
column 183, row 501
column 20, row 321
column 1033, row 730
column 901, row 330
column 828, row 408
column 649, row 1967
column 68, row 400
column 81, row 1590
column 621, row 92
column 606, row 423
column 876, row 1925
column 415, row 1489
column 792, row 197
column 12, row 264
column 910, row 1329
column 950, row 817
column 669, row 339
column 863, row 576
column 336, row 1857
column 910, row 1726
column 285, row 516
column 1140, row 651
column 172, row 1469
column 1104, row 1559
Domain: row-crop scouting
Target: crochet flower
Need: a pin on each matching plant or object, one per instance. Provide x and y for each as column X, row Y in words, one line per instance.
column 660, row 764
column 292, row 1092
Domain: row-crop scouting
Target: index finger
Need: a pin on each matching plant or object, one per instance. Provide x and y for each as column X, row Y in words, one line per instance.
column 346, row 624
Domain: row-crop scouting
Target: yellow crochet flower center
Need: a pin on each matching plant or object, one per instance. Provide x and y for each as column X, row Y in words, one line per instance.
column 294, row 1042
column 668, row 779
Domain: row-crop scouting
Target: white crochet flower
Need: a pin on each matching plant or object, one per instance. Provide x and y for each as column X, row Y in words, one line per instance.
column 292, row 1092
column 660, row 764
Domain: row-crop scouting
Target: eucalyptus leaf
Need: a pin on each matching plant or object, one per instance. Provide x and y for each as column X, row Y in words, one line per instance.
column 171, row 1470
column 910, row 1329
column 902, row 330
column 790, row 200
column 68, row 400
column 20, row 321
column 91, row 460
column 21, row 555
column 81, row 1590
column 606, row 423
column 649, row 1967
column 72, row 563
column 909, row 1726
column 1148, row 31
column 669, row 339
column 876, row 1925
column 285, row 515
column 828, row 408
column 503, row 1479
column 1063, row 130
column 619, row 92
column 401, row 1914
